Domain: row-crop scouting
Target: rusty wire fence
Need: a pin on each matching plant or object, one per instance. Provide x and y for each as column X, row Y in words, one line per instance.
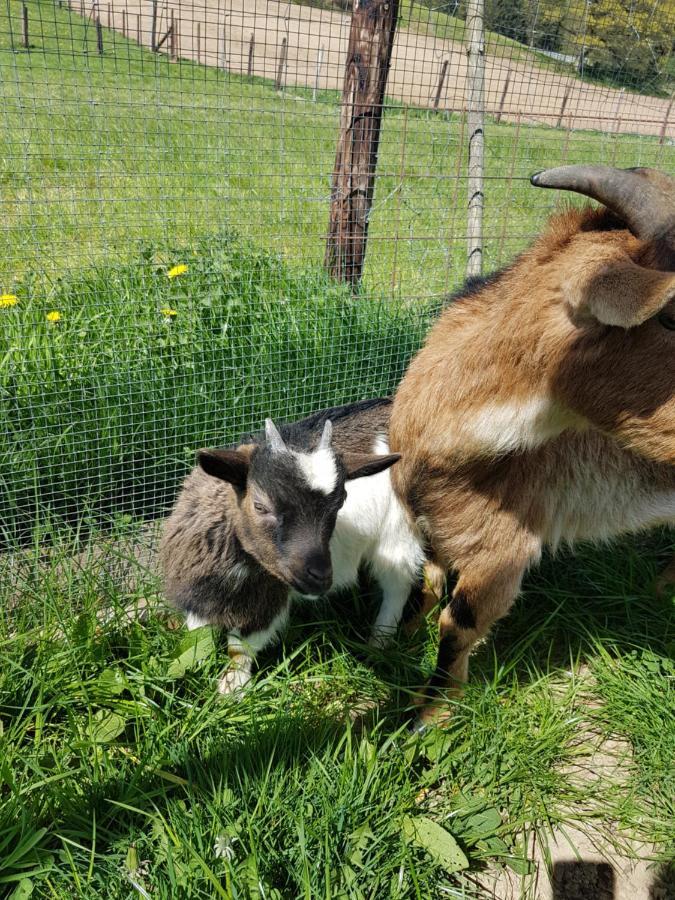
column 167, row 182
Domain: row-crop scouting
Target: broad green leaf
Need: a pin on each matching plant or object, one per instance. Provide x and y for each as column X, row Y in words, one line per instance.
column 519, row 866
column 23, row 890
column 106, row 726
column 438, row 843
column 435, row 744
column 483, row 824
column 494, row 845
column 197, row 646
column 359, row 840
column 112, row 681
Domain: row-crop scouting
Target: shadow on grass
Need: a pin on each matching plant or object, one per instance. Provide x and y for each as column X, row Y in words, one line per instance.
column 576, row 600
column 663, row 885
column 569, row 606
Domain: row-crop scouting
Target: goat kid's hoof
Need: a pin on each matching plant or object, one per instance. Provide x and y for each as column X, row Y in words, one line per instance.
column 665, row 583
column 380, row 640
column 233, row 682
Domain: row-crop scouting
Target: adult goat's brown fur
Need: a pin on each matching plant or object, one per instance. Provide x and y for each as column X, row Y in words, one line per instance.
column 542, row 407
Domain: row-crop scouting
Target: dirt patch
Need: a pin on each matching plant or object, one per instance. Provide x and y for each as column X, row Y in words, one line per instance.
column 223, row 33
column 593, row 861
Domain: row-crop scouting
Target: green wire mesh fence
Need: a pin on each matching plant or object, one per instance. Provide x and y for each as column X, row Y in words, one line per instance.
column 165, row 186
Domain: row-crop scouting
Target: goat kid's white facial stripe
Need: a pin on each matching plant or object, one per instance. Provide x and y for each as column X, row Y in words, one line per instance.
column 319, row 469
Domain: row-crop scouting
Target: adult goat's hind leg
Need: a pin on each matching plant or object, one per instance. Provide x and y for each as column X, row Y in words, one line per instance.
column 482, row 595
column 425, row 597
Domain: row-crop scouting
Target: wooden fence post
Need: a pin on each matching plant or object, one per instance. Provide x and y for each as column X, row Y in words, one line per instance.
column 317, row 73
column 153, row 27
column 25, row 42
column 664, row 127
column 502, row 99
column 441, row 82
column 476, row 124
column 617, row 110
column 371, row 40
column 99, row 35
column 172, row 43
column 251, row 54
column 282, row 62
column 565, row 98
column 166, row 37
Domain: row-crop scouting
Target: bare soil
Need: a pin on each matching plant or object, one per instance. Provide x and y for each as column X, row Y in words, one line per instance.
column 222, row 32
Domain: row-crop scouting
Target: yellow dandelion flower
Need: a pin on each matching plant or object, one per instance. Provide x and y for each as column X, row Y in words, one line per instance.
column 177, row 270
column 7, row 300
column 54, row 316
column 168, row 312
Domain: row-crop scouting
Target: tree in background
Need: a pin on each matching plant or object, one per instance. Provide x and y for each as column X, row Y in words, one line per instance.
column 552, row 25
column 507, row 17
column 629, row 40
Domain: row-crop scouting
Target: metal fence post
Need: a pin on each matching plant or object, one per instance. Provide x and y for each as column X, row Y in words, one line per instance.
column 476, row 120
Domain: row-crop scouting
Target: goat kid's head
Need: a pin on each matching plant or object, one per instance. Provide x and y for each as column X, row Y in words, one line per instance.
column 618, row 371
column 288, row 502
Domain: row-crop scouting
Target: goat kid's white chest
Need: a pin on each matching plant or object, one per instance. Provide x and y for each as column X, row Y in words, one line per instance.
column 372, row 529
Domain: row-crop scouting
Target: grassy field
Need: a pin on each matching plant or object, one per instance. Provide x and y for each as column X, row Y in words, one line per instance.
column 121, row 773
column 104, row 152
column 119, row 167
column 103, row 409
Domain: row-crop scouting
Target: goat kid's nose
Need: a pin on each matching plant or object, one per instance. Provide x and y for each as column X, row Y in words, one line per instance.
column 320, row 572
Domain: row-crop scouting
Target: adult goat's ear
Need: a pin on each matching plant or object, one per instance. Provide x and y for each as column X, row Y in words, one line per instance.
column 359, row 465
column 608, row 286
column 600, row 280
column 228, row 465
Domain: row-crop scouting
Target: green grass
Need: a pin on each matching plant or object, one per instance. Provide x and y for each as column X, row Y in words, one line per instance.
column 121, row 767
column 102, row 152
column 103, row 410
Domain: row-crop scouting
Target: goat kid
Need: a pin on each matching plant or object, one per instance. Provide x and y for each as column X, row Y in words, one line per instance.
column 294, row 510
column 541, row 408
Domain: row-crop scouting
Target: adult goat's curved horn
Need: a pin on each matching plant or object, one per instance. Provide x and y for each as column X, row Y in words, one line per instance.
column 274, row 439
column 643, row 198
column 326, row 436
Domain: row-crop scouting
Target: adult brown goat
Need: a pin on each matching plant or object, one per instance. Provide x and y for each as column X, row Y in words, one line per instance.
column 541, row 409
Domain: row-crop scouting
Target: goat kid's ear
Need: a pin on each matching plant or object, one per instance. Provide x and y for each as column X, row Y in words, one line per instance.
column 359, row 465
column 614, row 290
column 228, row 465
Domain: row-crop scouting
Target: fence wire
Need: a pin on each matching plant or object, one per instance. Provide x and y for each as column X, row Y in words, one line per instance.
column 165, row 190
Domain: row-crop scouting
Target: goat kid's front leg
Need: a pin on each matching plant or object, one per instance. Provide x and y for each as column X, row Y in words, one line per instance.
column 243, row 650
column 478, row 600
column 396, row 587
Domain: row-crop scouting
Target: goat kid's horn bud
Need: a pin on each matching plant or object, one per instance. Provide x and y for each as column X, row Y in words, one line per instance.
column 274, row 439
column 327, row 435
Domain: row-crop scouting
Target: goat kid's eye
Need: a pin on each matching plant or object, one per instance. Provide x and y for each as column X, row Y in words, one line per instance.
column 260, row 508
column 667, row 321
